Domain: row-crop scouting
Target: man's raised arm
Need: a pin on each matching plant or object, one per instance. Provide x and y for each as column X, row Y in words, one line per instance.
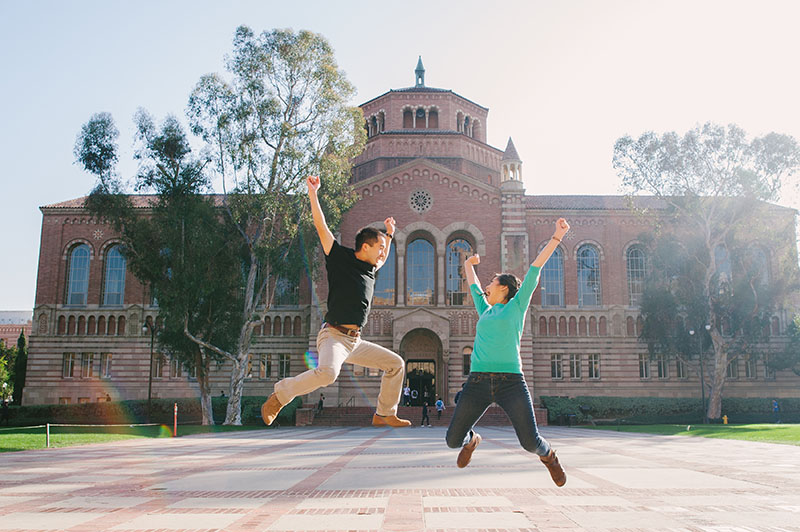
column 325, row 235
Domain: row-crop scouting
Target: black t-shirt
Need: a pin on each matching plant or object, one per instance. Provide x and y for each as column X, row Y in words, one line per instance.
column 351, row 283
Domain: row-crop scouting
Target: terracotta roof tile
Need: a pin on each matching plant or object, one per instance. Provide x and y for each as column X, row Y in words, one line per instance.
column 587, row 202
column 140, row 201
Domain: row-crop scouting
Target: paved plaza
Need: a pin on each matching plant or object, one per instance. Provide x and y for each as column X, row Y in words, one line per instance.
column 401, row 480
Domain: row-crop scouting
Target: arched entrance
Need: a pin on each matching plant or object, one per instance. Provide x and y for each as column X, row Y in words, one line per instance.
column 422, row 351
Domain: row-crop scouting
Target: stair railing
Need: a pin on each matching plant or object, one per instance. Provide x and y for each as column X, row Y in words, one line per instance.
column 350, row 402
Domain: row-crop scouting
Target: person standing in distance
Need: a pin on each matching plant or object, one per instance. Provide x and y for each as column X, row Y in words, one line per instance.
column 351, row 281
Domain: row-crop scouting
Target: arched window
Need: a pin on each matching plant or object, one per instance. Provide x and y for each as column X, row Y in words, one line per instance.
column 457, row 288
column 433, row 119
column 420, row 278
column 589, row 277
column 408, row 119
column 466, row 360
column 385, row 281
column 759, row 266
column 78, row 277
column 114, row 285
column 286, row 292
column 419, row 118
column 637, row 270
column 552, row 280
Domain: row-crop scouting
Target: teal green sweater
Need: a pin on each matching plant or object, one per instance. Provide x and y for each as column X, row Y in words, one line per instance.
column 499, row 329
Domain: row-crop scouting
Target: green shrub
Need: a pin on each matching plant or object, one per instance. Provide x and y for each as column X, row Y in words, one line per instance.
column 653, row 410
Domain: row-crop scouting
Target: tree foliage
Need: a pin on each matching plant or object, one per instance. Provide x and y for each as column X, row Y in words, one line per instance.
column 20, row 368
column 182, row 246
column 7, row 356
column 96, row 147
column 280, row 114
column 715, row 185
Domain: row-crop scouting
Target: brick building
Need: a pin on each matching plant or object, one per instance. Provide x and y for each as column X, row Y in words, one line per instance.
column 426, row 163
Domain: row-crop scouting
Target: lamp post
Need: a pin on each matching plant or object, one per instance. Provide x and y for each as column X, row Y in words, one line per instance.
column 702, row 375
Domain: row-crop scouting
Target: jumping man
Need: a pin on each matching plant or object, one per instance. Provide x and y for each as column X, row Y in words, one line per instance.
column 351, row 280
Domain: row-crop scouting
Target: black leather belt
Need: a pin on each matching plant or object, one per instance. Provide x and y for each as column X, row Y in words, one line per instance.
column 355, row 333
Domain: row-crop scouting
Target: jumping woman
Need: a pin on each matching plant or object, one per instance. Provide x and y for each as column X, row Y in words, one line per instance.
column 496, row 367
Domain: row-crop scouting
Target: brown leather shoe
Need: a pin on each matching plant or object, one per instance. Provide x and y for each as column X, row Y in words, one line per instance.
column 465, row 454
column 554, row 466
column 392, row 421
column 270, row 409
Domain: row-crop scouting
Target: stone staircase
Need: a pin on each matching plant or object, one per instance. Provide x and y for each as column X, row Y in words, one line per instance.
column 361, row 416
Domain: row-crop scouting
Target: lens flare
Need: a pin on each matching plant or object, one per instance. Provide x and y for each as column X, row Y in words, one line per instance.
column 311, row 359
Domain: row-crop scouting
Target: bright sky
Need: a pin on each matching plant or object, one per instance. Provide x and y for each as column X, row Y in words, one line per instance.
column 565, row 79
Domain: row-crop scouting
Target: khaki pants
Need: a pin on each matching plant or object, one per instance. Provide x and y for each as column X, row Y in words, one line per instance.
column 336, row 348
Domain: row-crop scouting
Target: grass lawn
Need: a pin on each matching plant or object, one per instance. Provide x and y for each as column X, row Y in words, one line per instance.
column 769, row 433
column 26, row 439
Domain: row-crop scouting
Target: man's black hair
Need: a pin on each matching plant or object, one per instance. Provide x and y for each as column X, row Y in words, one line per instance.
column 368, row 235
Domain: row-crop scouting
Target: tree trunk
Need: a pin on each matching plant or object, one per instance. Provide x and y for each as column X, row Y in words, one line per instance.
column 720, row 367
column 206, row 410
column 233, row 415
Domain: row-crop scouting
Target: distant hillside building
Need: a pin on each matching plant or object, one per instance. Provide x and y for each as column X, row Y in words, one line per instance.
column 12, row 323
column 427, row 164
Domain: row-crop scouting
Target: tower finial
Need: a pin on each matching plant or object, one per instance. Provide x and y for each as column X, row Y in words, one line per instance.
column 420, row 73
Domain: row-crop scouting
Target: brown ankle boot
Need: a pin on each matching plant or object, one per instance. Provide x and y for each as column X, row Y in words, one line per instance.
column 392, row 421
column 270, row 409
column 465, row 454
column 556, row 471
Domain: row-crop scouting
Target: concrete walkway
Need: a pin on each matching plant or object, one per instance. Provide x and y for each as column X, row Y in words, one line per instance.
column 401, row 480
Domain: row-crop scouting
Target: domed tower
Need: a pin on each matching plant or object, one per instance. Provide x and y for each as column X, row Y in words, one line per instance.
column 514, row 237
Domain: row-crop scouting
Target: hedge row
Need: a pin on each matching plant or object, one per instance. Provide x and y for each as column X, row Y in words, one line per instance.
column 652, row 410
column 136, row 412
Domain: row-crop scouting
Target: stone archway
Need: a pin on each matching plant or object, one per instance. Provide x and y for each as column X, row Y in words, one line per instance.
column 425, row 370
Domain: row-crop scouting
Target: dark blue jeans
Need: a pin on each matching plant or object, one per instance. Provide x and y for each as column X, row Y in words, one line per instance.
column 510, row 392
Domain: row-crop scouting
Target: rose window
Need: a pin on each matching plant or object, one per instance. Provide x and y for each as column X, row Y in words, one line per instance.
column 420, row 201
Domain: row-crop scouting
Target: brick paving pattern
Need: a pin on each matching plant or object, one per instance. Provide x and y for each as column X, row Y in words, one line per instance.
column 371, row 479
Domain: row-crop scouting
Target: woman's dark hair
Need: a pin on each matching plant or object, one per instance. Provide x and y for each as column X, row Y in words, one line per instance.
column 510, row 281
